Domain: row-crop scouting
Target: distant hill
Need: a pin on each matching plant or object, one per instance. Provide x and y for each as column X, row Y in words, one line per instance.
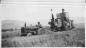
column 7, row 24
column 80, row 25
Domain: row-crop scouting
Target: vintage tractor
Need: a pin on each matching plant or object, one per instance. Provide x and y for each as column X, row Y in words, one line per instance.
column 33, row 30
column 61, row 23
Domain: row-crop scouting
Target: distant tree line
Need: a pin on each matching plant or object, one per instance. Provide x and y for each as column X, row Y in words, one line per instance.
column 4, row 30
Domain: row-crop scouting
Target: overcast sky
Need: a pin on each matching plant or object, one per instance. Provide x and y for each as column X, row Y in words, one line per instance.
column 33, row 11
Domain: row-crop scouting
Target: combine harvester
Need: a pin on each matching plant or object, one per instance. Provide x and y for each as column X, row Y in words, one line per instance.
column 61, row 23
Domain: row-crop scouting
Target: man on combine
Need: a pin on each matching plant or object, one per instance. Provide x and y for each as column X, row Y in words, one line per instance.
column 39, row 25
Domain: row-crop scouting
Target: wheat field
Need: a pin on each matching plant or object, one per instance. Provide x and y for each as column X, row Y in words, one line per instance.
column 71, row 38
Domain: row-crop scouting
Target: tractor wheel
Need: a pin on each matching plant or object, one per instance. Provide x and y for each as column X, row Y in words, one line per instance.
column 29, row 34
